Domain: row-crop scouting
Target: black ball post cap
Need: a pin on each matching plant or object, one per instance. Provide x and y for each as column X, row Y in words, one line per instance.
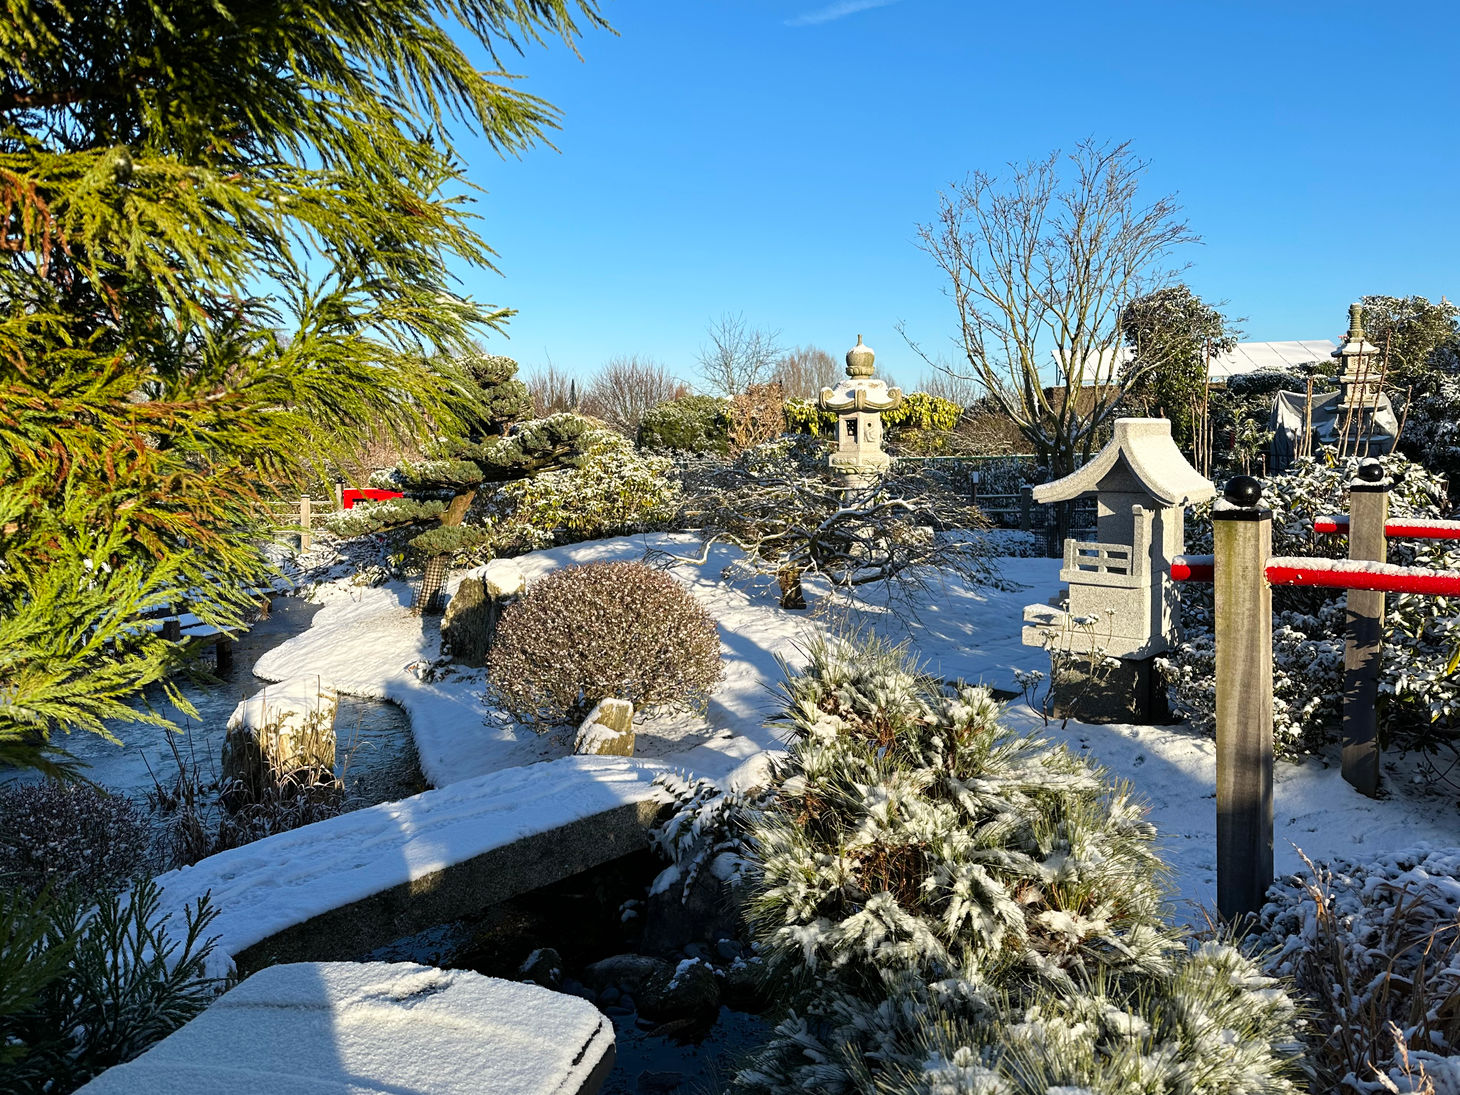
column 1371, row 471
column 1243, row 490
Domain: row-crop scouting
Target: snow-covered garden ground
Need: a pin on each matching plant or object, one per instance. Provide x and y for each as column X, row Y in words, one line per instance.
column 365, row 641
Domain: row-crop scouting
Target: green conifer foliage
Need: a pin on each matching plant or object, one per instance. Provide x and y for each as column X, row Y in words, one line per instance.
column 951, row 907
column 162, row 166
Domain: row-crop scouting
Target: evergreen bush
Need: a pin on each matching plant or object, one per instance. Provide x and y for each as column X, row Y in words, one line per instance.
column 63, row 835
column 587, row 633
column 949, row 906
column 609, row 490
column 695, row 424
column 85, row 986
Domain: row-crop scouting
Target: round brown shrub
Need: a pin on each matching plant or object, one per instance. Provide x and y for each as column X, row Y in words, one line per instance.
column 602, row 630
column 70, row 835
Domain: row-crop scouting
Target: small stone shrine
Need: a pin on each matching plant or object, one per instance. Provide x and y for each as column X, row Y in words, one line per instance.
column 858, row 403
column 1121, row 599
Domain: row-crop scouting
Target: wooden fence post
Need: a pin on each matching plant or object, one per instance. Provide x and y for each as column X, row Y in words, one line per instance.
column 1242, row 542
column 1026, row 508
column 305, row 542
column 339, row 495
column 1364, row 641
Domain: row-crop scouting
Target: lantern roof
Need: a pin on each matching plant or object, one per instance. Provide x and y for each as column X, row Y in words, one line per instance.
column 1146, row 448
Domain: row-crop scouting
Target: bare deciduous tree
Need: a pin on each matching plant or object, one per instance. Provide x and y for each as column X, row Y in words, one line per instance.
column 738, row 355
column 775, row 503
column 804, row 371
column 1039, row 267
column 625, row 387
column 552, row 391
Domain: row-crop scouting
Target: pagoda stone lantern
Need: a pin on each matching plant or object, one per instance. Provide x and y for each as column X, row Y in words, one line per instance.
column 1122, row 604
column 1360, row 378
column 858, row 403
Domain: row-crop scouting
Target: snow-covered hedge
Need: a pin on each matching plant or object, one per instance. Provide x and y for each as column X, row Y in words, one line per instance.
column 612, row 490
column 951, row 907
column 1419, row 689
column 1375, row 947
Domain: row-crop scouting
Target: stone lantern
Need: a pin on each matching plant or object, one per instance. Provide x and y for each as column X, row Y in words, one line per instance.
column 1121, row 584
column 858, row 403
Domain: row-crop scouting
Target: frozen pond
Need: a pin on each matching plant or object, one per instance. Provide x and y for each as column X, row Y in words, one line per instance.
column 376, row 756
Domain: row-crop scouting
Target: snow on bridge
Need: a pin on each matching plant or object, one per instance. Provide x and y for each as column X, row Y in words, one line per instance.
column 340, row 887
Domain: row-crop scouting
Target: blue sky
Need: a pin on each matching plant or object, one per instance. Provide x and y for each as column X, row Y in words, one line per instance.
column 773, row 158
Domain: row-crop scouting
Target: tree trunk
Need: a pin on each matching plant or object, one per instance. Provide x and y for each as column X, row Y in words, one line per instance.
column 792, row 596
column 456, row 512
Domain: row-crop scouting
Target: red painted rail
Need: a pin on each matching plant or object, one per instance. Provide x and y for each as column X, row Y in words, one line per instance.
column 351, row 495
column 1356, row 574
column 1191, row 568
column 1398, row 528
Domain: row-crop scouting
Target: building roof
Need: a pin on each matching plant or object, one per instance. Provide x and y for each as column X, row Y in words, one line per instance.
column 1253, row 357
column 1246, row 357
column 1146, row 447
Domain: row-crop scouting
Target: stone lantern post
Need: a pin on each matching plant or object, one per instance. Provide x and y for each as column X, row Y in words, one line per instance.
column 858, row 403
column 1122, row 609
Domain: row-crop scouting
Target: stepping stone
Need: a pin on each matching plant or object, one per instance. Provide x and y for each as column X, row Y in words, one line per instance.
column 346, row 1028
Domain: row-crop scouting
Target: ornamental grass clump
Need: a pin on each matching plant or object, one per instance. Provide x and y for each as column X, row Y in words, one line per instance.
column 602, row 630
column 949, row 906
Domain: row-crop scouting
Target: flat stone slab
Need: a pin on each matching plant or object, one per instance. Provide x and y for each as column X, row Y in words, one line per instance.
column 342, row 1028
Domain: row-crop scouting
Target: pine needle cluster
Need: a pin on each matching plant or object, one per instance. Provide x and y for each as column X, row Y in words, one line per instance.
column 226, row 235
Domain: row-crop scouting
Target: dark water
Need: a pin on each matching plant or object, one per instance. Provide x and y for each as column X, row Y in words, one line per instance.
column 376, row 757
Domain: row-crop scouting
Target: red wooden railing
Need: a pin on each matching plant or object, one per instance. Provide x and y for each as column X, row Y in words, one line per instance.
column 1397, row 528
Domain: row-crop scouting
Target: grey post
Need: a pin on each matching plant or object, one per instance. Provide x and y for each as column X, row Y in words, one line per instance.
column 1363, row 646
column 1026, row 508
column 1242, row 542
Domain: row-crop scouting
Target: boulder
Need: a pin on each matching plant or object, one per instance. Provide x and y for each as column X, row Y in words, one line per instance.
column 608, row 730
column 466, row 626
column 544, row 967
column 689, row 989
column 628, row 972
column 710, row 910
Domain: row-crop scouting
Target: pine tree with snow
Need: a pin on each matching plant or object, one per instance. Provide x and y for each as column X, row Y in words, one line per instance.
column 162, row 167
column 951, row 907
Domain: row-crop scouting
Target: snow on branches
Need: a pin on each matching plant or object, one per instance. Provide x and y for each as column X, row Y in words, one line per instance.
column 947, row 906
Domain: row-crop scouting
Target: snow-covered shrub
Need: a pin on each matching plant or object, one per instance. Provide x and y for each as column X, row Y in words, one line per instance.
column 1374, row 946
column 587, row 633
column 932, row 889
column 611, row 490
column 693, row 424
column 1420, row 694
column 65, row 835
column 87, row 986
column 707, row 830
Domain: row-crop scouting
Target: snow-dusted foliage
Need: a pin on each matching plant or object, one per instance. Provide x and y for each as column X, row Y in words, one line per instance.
column 588, row 633
column 1376, row 949
column 776, row 502
column 87, row 983
column 1422, row 634
column 610, row 490
column 707, row 830
column 952, row 907
column 70, row 835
